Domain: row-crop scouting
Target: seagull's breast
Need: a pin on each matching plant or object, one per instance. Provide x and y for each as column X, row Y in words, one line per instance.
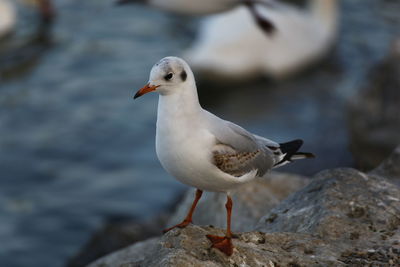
column 184, row 146
column 184, row 151
column 187, row 155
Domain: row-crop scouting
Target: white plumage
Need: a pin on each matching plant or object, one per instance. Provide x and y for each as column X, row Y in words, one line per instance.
column 230, row 44
column 201, row 150
column 191, row 142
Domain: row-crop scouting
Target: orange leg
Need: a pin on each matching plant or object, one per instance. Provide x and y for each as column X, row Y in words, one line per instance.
column 188, row 218
column 224, row 243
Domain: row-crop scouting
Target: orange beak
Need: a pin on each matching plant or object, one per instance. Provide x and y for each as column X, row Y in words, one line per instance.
column 146, row 89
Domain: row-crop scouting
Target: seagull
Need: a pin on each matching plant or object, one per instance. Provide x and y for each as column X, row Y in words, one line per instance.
column 203, row 151
column 207, row 7
column 229, row 44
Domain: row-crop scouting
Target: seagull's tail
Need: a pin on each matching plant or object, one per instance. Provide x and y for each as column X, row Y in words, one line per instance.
column 290, row 152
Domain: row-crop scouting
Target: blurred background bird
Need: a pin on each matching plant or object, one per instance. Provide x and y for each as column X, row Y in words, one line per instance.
column 207, row 7
column 289, row 35
column 230, row 45
column 188, row 7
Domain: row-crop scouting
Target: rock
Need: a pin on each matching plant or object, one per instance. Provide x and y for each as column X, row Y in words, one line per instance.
column 390, row 168
column 358, row 213
column 190, row 247
column 374, row 118
column 343, row 217
column 130, row 255
column 115, row 236
column 338, row 205
column 250, row 202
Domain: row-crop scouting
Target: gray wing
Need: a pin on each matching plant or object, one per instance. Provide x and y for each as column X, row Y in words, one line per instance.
column 237, row 151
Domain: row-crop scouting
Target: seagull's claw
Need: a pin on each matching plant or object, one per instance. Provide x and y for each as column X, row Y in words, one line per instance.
column 223, row 243
column 179, row 225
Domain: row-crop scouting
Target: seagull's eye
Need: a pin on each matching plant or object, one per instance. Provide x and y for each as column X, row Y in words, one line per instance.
column 168, row 76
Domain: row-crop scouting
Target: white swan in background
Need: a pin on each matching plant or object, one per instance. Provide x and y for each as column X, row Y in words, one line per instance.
column 188, row 7
column 230, row 45
column 8, row 17
column 207, row 7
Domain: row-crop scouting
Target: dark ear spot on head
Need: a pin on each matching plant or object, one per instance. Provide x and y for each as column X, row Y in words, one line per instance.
column 183, row 75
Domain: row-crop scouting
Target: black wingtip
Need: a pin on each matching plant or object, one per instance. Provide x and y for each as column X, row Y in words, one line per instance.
column 290, row 150
column 291, row 147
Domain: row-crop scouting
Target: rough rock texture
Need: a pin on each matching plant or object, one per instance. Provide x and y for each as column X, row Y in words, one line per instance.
column 390, row 168
column 190, row 247
column 115, row 236
column 342, row 218
column 250, row 202
column 357, row 213
column 374, row 118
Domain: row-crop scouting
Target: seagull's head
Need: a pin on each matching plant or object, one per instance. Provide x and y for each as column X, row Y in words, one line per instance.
column 170, row 75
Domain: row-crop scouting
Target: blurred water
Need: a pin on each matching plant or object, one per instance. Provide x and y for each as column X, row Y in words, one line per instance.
column 76, row 150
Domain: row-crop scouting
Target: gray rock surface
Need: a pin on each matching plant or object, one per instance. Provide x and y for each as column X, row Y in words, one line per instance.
column 250, row 202
column 390, row 168
column 374, row 118
column 343, row 217
column 190, row 247
column 114, row 236
column 357, row 212
column 342, row 205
